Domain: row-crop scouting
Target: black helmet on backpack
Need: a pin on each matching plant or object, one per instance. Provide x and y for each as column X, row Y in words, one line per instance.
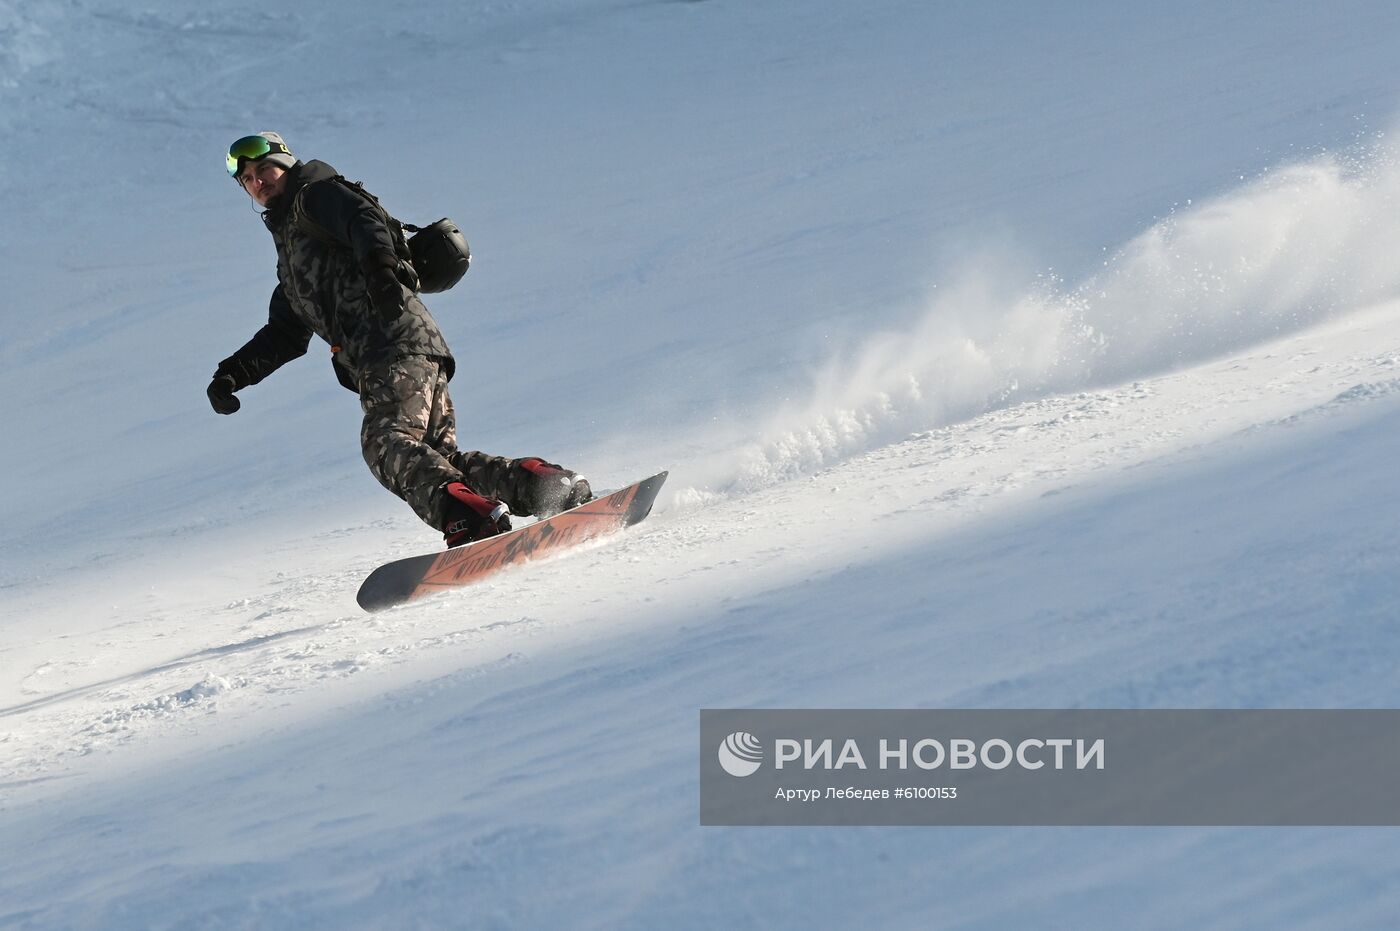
column 441, row 255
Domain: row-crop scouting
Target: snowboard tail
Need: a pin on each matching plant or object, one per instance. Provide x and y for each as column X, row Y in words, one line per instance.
column 407, row 579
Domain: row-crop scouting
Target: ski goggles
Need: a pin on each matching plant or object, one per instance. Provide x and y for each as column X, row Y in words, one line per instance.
column 250, row 149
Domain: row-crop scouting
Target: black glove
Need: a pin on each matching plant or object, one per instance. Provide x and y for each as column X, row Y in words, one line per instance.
column 386, row 292
column 221, row 397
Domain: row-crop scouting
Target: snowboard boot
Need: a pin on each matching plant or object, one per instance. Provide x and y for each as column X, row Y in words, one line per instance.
column 545, row 489
column 470, row 517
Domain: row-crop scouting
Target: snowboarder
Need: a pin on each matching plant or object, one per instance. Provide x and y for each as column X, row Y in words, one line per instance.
column 343, row 273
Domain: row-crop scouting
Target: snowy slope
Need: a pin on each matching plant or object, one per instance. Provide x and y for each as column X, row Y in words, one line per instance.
column 1003, row 355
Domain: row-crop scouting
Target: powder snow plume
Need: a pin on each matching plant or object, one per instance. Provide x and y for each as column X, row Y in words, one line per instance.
column 1300, row 244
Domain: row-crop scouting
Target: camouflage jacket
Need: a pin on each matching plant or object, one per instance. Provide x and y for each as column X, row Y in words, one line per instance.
column 321, row 288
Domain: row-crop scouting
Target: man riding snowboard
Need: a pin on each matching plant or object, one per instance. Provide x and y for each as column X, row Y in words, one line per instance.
column 343, row 273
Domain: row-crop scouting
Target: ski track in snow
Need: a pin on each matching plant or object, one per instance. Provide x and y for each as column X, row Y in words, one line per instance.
column 300, row 631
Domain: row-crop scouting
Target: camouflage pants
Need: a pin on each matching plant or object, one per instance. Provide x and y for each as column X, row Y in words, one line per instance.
column 409, row 439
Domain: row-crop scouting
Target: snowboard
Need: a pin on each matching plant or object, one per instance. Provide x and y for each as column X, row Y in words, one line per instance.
column 407, row 579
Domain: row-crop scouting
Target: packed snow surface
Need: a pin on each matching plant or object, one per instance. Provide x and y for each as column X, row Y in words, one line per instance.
column 1002, row 355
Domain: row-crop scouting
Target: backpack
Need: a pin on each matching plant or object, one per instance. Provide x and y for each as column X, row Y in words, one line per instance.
column 437, row 254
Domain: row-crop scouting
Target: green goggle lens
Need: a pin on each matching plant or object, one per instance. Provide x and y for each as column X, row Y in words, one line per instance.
column 251, row 148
